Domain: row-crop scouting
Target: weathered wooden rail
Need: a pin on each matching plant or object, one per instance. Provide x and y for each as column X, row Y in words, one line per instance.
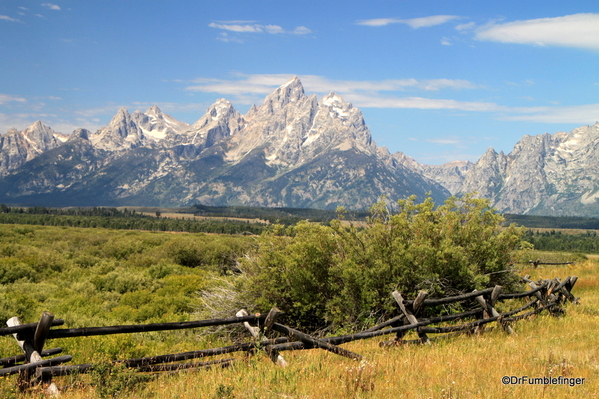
column 538, row 262
column 412, row 316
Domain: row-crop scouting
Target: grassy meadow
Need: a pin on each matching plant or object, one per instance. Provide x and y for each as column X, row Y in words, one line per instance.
column 93, row 277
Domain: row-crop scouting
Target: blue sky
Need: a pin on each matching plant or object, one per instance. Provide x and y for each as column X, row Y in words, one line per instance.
column 438, row 80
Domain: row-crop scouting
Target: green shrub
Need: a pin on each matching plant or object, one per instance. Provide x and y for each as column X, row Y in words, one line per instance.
column 186, row 252
column 341, row 275
column 123, row 281
column 122, row 248
column 8, row 250
column 13, row 270
column 19, row 304
column 162, row 269
column 218, row 253
column 182, row 284
column 86, row 261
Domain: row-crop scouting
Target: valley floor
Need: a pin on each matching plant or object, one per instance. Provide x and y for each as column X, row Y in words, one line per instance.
column 460, row 367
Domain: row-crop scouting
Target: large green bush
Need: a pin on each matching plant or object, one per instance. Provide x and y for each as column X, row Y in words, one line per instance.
column 343, row 275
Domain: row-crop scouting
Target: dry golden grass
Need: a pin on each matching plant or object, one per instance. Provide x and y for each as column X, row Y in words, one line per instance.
column 459, row 367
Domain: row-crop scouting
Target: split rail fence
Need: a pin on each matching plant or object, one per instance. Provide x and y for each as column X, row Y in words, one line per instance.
column 33, row 369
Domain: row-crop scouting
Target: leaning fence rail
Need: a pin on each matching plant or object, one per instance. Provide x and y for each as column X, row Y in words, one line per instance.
column 543, row 295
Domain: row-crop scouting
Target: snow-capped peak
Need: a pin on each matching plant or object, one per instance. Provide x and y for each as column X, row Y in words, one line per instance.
column 291, row 92
column 332, row 99
column 156, row 125
column 220, row 108
column 294, row 81
column 337, row 107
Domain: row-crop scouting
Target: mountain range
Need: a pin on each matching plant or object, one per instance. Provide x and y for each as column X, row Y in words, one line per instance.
column 293, row 150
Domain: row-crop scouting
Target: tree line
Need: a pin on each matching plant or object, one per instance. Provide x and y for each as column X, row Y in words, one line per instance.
column 120, row 219
column 284, row 216
column 553, row 222
column 587, row 242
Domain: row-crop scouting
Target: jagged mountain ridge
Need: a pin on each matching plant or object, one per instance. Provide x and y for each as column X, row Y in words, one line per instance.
column 555, row 175
column 18, row 147
column 292, row 150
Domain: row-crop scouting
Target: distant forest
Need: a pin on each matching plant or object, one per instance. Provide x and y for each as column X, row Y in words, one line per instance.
column 129, row 219
column 286, row 216
column 553, row 222
column 587, row 242
column 113, row 218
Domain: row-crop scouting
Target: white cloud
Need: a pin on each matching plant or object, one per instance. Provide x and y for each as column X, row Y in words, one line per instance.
column 273, row 29
column 242, row 27
column 51, row 6
column 170, row 107
column 249, row 89
column 7, row 18
column 527, row 82
column 445, row 141
column 582, row 114
column 415, row 23
column 6, row 98
column 225, row 37
column 577, row 30
column 301, row 30
column 379, row 101
column 429, row 21
column 437, row 84
column 379, row 21
column 466, row 26
column 455, row 142
column 238, row 28
column 266, row 83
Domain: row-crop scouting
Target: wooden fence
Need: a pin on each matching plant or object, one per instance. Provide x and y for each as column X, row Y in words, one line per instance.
column 33, row 369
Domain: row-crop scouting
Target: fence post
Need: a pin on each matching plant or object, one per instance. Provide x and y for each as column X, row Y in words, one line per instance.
column 43, row 327
column 419, row 301
column 568, row 289
column 490, row 310
column 411, row 318
column 31, row 354
column 495, row 294
column 256, row 333
column 542, row 298
column 315, row 342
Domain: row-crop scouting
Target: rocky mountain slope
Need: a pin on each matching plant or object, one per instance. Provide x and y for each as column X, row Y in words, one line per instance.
column 18, row 147
column 292, row 151
column 545, row 175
